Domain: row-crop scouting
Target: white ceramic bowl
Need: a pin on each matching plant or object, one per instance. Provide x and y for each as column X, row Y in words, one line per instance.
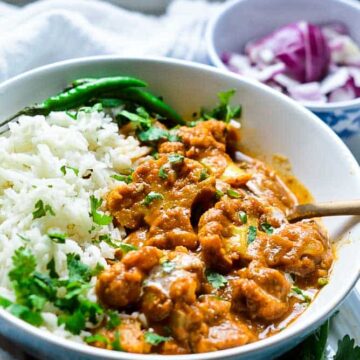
column 272, row 123
column 240, row 21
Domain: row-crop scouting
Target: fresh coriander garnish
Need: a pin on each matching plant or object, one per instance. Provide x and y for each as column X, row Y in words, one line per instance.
column 42, row 209
column 168, row 266
column 51, row 268
column 204, row 174
column 252, row 231
column 243, row 217
column 176, row 158
column 23, row 238
column 155, row 339
column 267, row 228
column 113, row 319
column 125, row 248
column 219, row 194
column 97, row 338
column 300, row 292
column 153, row 134
column 99, row 219
column 33, row 290
column 162, row 173
column 140, row 120
column 71, row 114
column 125, row 178
column 323, row 281
column 58, row 238
column 116, row 345
column 64, row 167
column 233, row 194
column 152, row 196
column 216, row 280
column 224, row 111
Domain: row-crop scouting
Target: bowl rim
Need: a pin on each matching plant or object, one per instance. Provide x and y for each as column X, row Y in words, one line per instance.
column 216, row 60
column 245, row 350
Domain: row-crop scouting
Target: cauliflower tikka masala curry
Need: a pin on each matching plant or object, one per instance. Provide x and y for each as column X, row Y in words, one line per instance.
column 213, row 261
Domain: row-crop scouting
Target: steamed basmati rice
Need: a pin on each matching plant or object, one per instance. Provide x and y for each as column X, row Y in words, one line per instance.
column 38, row 157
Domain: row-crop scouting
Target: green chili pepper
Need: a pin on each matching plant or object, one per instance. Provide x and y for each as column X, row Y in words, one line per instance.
column 79, row 95
column 141, row 97
column 151, row 102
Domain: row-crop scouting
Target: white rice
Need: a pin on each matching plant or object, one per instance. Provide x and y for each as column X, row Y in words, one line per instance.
column 31, row 156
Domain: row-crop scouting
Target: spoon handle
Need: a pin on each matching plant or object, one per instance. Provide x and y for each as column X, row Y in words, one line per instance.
column 331, row 208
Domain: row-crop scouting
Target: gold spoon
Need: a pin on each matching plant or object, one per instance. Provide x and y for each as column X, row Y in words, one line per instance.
column 331, row 208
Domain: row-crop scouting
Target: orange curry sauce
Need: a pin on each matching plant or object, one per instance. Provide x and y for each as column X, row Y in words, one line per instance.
column 217, row 264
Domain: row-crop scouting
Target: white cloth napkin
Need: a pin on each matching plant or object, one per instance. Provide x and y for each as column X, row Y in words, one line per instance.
column 53, row 30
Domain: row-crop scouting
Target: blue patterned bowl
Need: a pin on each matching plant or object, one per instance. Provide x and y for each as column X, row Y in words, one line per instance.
column 242, row 20
column 344, row 119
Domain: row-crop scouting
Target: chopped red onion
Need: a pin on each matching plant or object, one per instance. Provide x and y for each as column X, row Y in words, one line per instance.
column 308, row 62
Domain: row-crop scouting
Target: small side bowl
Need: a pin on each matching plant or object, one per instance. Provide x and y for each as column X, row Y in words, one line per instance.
column 243, row 20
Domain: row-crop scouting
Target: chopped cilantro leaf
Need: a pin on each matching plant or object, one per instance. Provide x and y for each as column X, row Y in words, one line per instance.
column 97, row 338
column 155, row 339
column 298, row 291
column 42, row 209
column 64, row 167
column 139, row 120
column 89, row 109
column 216, row 280
column 323, row 281
column 233, row 194
column 4, row 303
column 252, row 231
column 37, row 302
column 23, row 238
column 224, row 111
column 218, row 194
column 176, row 158
column 113, row 320
column 162, row 173
column 267, row 228
column 24, row 264
column 74, row 322
column 168, row 266
column 51, row 268
column 116, row 345
column 149, row 198
column 153, row 134
column 58, row 238
column 243, row 217
column 204, row 174
column 125, row 248
column 125, row 178
column 73, row 115
column 24, row 313
column 99, row 219
column 78, row 271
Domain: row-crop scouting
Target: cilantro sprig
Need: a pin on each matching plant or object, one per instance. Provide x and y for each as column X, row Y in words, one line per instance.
column 216, row 280
column 155, row 339
column 223, row 111
column 152, row 196
column 42, row 209
column 98, row 218
column 33, row 290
